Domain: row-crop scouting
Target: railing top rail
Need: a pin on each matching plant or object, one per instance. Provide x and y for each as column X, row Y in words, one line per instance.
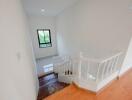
column 109, row 58
column 99, row 60
column 90, row 59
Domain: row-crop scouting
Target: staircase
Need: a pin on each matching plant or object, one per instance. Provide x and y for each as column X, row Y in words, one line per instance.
column 90, row 74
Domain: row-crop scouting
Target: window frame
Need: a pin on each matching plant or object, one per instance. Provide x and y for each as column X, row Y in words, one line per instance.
column 49, row 38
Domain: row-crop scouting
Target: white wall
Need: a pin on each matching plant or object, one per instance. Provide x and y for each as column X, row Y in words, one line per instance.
column 42, row 22
column 18, row 79
column 97, row 27
column 128, row 59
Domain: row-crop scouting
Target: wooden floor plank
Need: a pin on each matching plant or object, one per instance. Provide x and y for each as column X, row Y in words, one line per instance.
column 119, row 90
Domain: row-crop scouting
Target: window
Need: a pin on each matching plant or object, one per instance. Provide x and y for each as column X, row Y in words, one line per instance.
column 44, row 38
column 48, row 68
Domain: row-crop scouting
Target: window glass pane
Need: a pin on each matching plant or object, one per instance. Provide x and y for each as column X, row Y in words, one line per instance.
column 48, row 68
column 43, row 45
column 44, row 38
column 47, row 37
column 41, row 36
column 49, row 45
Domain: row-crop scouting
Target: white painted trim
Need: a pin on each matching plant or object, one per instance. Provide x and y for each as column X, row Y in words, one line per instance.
column 106, row 81
column 124, row 71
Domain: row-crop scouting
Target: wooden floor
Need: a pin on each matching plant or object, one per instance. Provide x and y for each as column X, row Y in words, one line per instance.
column 48, row 85
column 119, row 90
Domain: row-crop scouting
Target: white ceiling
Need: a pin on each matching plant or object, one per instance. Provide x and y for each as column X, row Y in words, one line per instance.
column 52, row 7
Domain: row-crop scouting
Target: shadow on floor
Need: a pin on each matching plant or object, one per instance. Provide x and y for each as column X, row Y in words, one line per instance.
column 49, row 84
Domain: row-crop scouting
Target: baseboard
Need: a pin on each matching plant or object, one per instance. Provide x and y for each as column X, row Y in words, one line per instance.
column 100, row 86
column 101, row 90
column 123, row 74
column 106, row 86
column 83, row 88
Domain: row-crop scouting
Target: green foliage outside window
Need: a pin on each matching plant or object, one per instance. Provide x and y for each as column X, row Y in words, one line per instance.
column 44, row 38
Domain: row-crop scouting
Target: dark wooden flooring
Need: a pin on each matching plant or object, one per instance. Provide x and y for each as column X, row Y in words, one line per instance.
column 48, row 85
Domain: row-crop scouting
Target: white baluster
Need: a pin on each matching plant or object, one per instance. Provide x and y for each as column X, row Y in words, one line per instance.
column 116, row 63
column 111, row 62
column 73, row 64
column 88, row 67
column 65, row 66
column 98, row 72
column 105, row 73
column 103, row 70
column 108, row 67
column 79, row 68
column 112, row 65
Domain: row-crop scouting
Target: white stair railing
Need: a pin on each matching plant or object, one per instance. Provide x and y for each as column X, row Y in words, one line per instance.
column 65, row 67
column 98, row 69
column 109, row 66
column 91, row 74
